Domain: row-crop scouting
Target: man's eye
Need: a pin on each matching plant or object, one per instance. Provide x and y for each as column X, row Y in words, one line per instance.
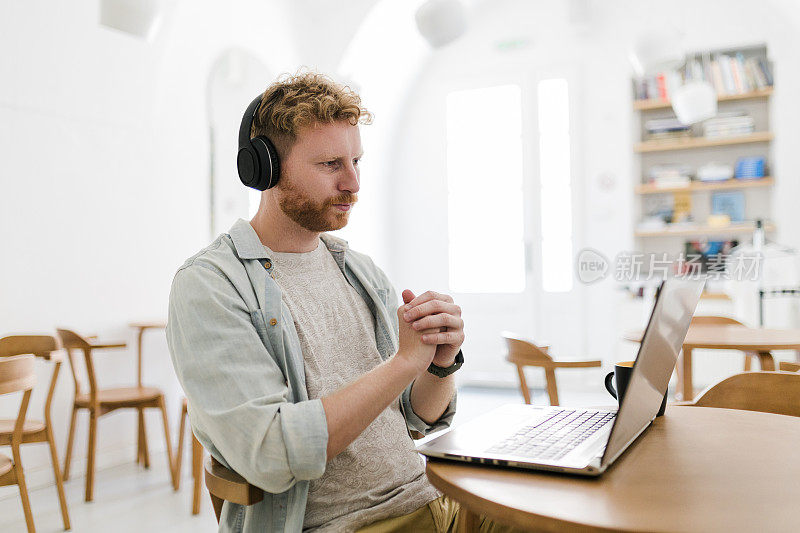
column 330, row 164
column 355, row 161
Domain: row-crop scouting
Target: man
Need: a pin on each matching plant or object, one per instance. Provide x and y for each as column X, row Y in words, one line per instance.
column 301, row 374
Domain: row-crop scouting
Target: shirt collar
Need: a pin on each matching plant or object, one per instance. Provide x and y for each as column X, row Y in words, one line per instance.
column 249, row 246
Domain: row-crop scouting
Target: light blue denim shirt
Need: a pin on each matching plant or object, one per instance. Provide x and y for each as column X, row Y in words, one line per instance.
column 237, row 355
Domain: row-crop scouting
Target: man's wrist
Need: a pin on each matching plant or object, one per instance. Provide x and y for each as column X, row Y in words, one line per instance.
column 406, row 365
column 446, row 363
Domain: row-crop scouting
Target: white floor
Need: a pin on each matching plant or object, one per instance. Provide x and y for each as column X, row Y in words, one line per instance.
column 131, row 499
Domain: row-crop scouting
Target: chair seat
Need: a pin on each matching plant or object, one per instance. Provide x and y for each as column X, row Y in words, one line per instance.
column 121, row 396
column 28, row 428
column 524, row 359
column 5, row 465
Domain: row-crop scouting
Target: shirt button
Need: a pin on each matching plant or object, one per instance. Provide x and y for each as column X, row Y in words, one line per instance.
column 267, row 264
column 272, row 321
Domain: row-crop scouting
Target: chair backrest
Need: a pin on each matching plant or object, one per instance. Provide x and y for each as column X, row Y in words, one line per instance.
column 71, row 341
column 38, row 345
column 44, row 346
column 715, row 321
column 226, row 485
column 767, row 392
column 786, row 366
column 17, row 374
column 522, row 351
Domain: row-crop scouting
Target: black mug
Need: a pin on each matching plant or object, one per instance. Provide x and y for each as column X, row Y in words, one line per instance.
column 622, row 375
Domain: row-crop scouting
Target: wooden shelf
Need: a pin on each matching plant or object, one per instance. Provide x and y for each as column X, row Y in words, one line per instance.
column 703, row 230
column 700, row 142
column 647, row 105
column 697, row 186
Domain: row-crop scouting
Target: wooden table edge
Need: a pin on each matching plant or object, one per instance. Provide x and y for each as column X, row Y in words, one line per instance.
column 501, row 513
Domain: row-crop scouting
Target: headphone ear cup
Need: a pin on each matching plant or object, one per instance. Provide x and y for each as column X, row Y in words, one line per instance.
column 270, row 168
column 248, row 166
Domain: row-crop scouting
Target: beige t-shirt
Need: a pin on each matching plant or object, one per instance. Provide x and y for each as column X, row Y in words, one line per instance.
column 380, row 474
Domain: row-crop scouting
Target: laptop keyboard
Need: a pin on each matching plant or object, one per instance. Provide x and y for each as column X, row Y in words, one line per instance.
column 553, row 437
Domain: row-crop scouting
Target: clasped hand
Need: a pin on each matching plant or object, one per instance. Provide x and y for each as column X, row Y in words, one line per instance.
column 437, row 320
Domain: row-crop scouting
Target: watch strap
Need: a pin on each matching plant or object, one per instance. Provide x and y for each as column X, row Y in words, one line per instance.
column 443, row 372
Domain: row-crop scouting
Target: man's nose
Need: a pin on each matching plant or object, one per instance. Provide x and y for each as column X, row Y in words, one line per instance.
column 351, row 180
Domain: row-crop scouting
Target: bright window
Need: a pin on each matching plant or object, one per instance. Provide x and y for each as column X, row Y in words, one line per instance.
column 556, row 189
column 484, row 184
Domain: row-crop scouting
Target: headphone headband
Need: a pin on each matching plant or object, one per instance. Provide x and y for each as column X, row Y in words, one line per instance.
column 247, row 122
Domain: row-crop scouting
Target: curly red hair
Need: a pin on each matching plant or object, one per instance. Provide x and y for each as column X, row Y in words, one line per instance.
column 294, row 101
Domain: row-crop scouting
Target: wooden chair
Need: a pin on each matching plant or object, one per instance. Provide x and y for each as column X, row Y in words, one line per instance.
column 103, row 401
column 764, row 358
column 197, row 460
column 16, row 374
column 44, row 346
column 767, row 392
column 524, row 353
column 226, row 485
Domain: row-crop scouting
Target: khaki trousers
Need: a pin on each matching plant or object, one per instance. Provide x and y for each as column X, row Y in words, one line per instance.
column 439, row 516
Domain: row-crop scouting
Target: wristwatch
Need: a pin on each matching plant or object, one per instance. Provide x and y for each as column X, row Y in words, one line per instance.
column 444, row 372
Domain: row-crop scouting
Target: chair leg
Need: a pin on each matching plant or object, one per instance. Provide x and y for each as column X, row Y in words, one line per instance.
column 139, row 425
column 168, row 437
column 526, row 393
column 90, row 455
column 179, row 452
column 143, row 437
column 70, row 440
column 217, row 502
column 197, row 474
column 552, row 389
column 62, row 500
column 767, row 362
column 748, row 361
column 23, row 489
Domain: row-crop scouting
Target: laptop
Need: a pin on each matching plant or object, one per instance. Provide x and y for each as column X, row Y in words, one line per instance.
column 583, row 441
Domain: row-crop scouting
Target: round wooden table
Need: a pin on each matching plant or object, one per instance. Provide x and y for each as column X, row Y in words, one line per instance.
column 758, row 340
column 694, row 469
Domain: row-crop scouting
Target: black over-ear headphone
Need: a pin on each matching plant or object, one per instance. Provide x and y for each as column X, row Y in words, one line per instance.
column 257, row 159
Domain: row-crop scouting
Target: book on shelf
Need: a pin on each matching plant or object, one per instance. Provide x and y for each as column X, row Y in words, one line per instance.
column 723, row 125
column 681, row 207
column 729, row 203
column 668, row 176
column 731, row 72
column 729, row 125
column 666, row 128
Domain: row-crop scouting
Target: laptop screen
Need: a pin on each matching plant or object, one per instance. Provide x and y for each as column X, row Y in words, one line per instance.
column 658, row 353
